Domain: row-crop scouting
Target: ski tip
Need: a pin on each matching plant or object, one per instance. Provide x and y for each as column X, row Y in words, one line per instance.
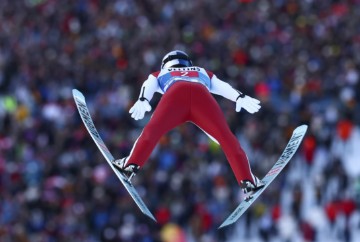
column 77, row 93
column 301, row 128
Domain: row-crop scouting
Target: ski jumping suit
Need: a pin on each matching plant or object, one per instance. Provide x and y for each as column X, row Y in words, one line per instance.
column 187, row 98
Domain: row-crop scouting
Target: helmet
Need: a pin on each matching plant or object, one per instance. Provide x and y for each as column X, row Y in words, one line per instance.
column 176, row 58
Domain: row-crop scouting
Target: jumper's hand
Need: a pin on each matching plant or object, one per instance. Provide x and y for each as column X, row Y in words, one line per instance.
column 138, row 110
column 250, row 104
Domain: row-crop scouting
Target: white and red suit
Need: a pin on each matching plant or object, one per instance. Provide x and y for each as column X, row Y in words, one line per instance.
column 187, row 98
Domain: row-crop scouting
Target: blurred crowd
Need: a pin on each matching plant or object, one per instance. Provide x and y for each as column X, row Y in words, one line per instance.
column 300, row 58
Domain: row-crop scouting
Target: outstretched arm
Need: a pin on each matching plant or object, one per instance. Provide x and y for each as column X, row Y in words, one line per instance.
column 148, row 88
column 142, row 105
column 222, row 88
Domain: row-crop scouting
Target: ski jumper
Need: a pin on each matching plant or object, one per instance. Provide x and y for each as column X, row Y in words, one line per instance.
column 187, row 98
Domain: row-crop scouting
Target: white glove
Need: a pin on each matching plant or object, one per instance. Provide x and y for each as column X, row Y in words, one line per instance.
column 138, row 110
column 250, row 104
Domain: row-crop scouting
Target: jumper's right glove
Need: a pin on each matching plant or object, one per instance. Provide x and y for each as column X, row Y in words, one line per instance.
column 248, row 103
column 140, row 107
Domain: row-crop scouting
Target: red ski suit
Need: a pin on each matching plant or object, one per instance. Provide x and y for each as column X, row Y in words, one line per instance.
column 188, row 101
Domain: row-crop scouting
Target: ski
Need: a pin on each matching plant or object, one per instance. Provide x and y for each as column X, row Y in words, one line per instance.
column 290, row 149
column 89, row 124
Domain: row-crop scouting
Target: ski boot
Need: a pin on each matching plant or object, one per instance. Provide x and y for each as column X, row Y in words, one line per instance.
column 250, row 188
column 129, row 170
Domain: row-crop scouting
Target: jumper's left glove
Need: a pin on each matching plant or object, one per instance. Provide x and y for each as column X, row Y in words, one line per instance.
column 138, row 110
column 250, row 104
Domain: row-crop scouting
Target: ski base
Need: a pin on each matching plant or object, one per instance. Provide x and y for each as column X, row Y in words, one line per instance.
column 290, row 149
column 89, row 124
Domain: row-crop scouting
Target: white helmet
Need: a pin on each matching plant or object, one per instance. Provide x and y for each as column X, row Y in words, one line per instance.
column 176, row 58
